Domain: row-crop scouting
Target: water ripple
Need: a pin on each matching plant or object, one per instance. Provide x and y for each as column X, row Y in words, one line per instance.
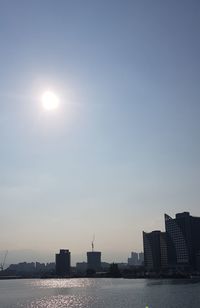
column 61, row 302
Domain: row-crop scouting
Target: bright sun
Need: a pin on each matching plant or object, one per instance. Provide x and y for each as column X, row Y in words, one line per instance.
column 50, row 100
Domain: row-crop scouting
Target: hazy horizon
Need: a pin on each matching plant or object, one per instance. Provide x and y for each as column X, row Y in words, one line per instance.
column 122, row 148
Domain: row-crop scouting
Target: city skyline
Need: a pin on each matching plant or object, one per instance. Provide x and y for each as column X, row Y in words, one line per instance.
column 159, row 240
column 123, row 145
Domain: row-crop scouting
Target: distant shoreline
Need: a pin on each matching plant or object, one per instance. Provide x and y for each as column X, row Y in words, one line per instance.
column 193, row 278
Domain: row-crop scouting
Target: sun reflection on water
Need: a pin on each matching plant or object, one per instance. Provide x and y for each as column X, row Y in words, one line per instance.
column 63, row 283
column 96, row 293
column 57, row 293
column 63, row 302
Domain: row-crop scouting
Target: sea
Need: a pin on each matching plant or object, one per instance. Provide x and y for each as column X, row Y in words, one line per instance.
column 99, row 292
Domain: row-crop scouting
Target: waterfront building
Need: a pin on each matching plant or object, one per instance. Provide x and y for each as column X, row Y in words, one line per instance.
column 50, row 266
column 155, row 251
column 81, row 267
column 141, row 258
column 183, row 243
column 22, row 267
column 94, row 260
column 136, row 259
column 133, row 260
column 63, row 263
column 40, row 267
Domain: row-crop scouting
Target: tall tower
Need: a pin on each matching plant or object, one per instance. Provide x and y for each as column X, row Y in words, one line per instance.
column 155, row 250
column 63, row 263
column 93, row 259
column 183, row 241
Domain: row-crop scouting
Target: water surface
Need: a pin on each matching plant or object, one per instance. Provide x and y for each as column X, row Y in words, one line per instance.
column 97, row 293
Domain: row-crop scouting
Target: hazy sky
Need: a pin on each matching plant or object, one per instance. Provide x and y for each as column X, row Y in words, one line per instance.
column 123, row 147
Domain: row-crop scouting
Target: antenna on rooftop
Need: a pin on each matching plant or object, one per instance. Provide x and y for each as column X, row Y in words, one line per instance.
column 93, row 242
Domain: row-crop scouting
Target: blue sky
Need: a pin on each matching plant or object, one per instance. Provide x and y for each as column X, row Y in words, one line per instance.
column 123, row 147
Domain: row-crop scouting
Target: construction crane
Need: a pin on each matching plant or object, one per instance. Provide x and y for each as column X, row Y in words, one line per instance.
column 2, row 264
column 93, row 242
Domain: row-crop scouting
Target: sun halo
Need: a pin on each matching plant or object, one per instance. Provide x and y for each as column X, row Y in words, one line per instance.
column 50, row 101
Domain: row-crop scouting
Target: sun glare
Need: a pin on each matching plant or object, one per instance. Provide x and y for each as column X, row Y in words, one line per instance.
column 50, row 100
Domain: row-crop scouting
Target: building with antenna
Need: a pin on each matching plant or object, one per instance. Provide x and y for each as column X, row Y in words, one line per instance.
column 94, row 259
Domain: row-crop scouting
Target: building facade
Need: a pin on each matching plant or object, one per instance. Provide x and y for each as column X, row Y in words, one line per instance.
column 183, row 243
column 155, row 251
column 141, row 258
column 63, row 263
column 136, row 259
column 94, row 260
column 133, row 260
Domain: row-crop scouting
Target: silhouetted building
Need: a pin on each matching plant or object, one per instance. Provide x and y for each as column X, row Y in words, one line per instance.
column 81, row 267
column 63, row 263
column 155, row 251
column 32, row 268
column 141, row 258
column 183, row 242
column 133, row 260
column 114, row 270
column 50, row 266
column 136, row 259
column 105, row 266
column 22, row 267
column 94, row 260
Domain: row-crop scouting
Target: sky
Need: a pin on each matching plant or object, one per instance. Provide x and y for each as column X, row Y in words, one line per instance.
column 122, row 149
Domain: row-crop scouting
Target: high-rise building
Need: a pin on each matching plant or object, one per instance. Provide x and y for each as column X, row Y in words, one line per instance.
column 94, row 260
column 63, row 263
column 183, row 243
column 133, row 260
column 155, row 250
column 141, row 258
